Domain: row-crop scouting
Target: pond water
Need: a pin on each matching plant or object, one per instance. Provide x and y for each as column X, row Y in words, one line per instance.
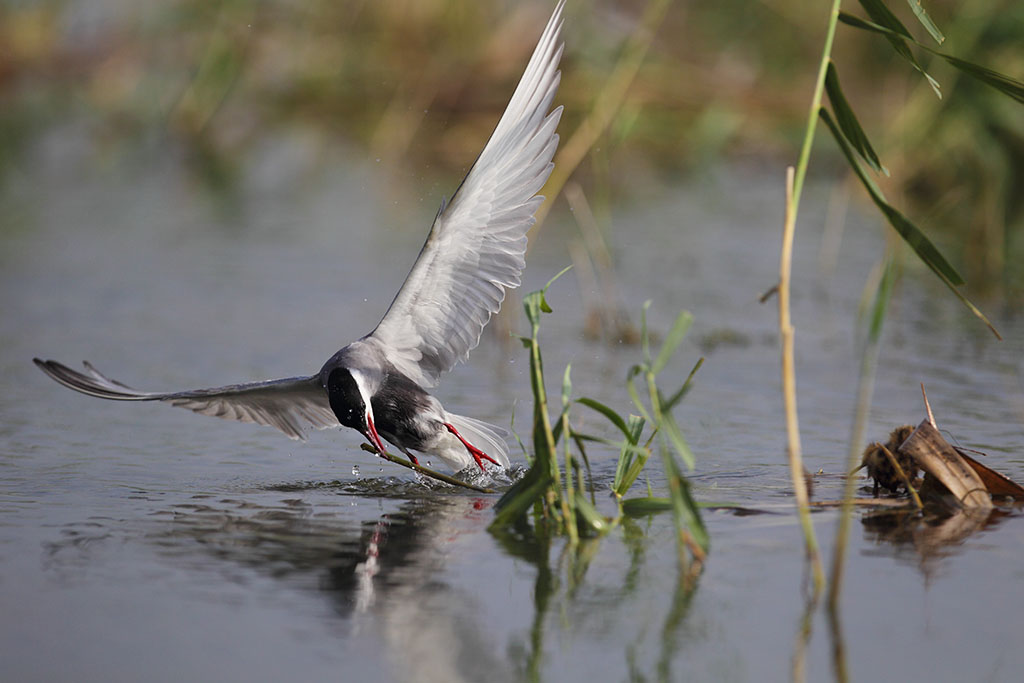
column 140, row 542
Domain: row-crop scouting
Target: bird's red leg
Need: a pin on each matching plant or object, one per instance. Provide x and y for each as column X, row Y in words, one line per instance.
column 473, row 450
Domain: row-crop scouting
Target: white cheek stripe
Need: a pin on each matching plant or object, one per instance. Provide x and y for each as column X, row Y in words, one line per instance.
column 363, row 393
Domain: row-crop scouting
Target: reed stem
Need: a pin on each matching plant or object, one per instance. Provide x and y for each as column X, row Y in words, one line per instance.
column 796, row 465
column 794, row 188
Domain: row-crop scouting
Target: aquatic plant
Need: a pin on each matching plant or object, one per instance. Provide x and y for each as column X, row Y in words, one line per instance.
column 556, row 496
column 856, row 148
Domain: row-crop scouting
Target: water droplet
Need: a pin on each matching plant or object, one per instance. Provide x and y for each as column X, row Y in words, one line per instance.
column 355, row 470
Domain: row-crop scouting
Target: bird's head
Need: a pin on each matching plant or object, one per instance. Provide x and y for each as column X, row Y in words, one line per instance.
column 346, row 400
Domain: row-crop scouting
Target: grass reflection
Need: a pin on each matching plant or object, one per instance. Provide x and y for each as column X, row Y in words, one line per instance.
column 564, row 583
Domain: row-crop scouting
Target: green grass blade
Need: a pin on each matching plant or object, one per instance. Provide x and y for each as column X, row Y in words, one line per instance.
column 544, row 290
column 628, row 450
column 645, row 506
column 917, row 240
column 556, row 431
column 1010, row 87
column 634, row 449
column 911, row 234
column 883, row 16
column 970, row 306
column 881, row 306
column 1001, row 82
column 926, row 21
column 862, row 24
column 645, row 339
column 694, row 521
column 597, row 439
column 567, row 387
column 531, row 304
column 632, row 459
column 669, row 403
column 612, row 416
column 684, row 508
column 515, row 435
column 636, row 428
column 581, row 447
column 536, row 303
column 648, row 505
column 543, row 436
column 634, row 394
column 675, row 336
column 848, row 122
column 675, row 436
column 924, row 248
column 594, row 519
column 896, row 34
column 632, row 472
column 518, row 499
column 566, row 402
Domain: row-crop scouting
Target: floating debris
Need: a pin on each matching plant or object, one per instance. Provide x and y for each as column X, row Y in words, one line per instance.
column 997, row 484
column 952, row 479
column 948, row 478
column 881, row 467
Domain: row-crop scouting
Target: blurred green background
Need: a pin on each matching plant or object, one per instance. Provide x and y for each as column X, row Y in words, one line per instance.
column 419, row 84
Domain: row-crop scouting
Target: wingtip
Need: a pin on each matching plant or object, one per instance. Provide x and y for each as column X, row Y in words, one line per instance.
column 47, row 365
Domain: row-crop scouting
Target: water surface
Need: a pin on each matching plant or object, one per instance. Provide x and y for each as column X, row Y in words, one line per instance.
column 143, row 542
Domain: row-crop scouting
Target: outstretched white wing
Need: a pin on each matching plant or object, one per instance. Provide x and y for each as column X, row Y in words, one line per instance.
column 477, row 244
column 287, row 404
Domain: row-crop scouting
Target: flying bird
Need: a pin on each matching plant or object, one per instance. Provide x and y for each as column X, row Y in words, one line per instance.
column 475, row 251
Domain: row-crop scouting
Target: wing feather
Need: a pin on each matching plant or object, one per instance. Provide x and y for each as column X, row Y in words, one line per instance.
column 477, row 244
column 286, row 404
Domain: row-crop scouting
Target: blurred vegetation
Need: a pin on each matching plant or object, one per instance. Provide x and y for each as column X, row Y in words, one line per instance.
column 422, row 82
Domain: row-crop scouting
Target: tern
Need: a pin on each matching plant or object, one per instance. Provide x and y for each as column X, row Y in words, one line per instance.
column 475, row 251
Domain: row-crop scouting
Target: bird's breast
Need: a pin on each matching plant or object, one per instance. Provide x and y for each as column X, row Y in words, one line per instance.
column 404, row 410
